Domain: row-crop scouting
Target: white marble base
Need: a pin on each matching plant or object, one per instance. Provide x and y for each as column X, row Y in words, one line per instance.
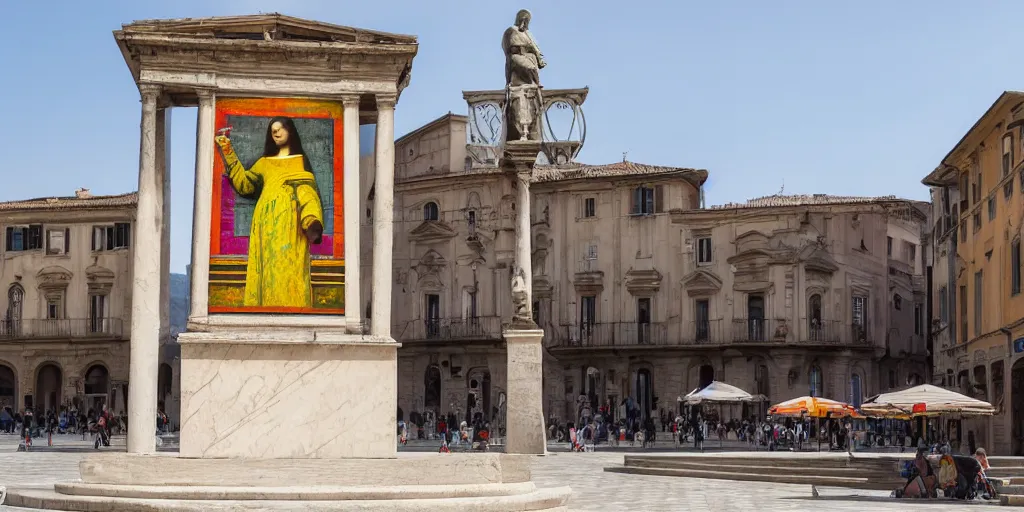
column 524, row 418
column 293, row 395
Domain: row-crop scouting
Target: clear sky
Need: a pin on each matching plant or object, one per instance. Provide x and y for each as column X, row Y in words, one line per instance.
column 859, row 98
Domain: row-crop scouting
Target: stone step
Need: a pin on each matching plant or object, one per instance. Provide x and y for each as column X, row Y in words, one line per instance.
column 1011, row 500
column 858, row 482
column 750, row 468
column 776, row 462
column 309, row 493
column 1005, row 472
column 552, row 499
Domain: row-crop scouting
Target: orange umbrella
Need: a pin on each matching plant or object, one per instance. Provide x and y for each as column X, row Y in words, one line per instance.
column 812, row 407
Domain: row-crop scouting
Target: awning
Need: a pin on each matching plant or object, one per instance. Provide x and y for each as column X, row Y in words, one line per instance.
column 925, row 400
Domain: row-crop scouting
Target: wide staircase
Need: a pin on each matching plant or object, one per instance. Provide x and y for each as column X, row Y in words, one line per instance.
column 869, row 471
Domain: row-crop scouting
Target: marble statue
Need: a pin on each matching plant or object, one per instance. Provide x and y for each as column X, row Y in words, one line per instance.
column 520, row 298
column 523, row 61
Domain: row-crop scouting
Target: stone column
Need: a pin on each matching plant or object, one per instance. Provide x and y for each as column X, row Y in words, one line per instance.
column 524, row 234
column 383, row 217
column 353, row 302
column 163, row 170
column 202, row 208
column 146, row 272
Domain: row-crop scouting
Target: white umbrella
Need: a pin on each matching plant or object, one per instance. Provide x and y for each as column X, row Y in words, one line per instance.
column 926, row 400
column 717, row 392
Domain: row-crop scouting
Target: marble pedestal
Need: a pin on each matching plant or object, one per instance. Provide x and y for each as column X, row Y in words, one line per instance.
column 524, row 418
column 288, row 394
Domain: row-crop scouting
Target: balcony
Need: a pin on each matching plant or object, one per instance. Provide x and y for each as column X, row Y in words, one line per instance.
column 611, row 335
column 824, row 331
column 444, row 329
column 759, row 330
column 706, row 332
column 63, row 328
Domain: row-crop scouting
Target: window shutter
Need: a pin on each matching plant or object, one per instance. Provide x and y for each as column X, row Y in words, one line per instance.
column 36, row 236
column 25, row 243
column 659, row 198
column 47, row 245
column 634, row 201
column 95, row 234
column 7, row 239
column 67, row 240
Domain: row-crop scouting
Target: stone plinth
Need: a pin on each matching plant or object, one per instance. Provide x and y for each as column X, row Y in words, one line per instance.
column 520, row 154
column 288, row 394
column 525, row 412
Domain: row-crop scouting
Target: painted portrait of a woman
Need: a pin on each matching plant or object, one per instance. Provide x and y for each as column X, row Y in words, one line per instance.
column 287, row 218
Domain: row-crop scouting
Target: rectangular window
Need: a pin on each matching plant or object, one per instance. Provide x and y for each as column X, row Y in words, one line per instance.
column 888, row 246
column 943, row 306
column 977, row 222
column 53, row 308
column 963, row 231
column 588, row 317
column 57, row 241
column 704, row 250
column 918, row 320
column 34, row 239
column 97, row 312
column 992, row 208
column 702, row 316
column 24, row 238
column 589, row 207
column 911, row 253
column 471, row 221
column 433, row 315
column 979, row 285
column 643, row 320
column 1015, row 267
column 964, row 335
column 978, row 192
column 1008, row 190
column 108, row 238
column 646, row 200
column 860, row 318
column 1007, row 153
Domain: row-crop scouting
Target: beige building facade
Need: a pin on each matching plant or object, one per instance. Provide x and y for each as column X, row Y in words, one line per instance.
column 641, row 292
column 66, row 277
column 977, row 192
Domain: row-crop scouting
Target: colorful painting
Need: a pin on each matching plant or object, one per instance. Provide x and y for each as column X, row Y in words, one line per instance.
column 277, row 234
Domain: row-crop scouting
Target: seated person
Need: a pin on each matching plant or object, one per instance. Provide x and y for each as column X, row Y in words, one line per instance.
column 922, row 481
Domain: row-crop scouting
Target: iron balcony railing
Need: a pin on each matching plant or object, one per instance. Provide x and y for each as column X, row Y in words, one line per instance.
column 472, row 328
column 703, row 332
column 824, row 331
column 61, row 328
column 759, row 330
column 615, row 334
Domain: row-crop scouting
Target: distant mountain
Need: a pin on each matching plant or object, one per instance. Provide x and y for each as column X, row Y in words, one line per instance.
column 179, row 303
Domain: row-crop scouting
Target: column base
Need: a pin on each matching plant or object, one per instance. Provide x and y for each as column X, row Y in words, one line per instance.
column 420, row 482
column 524, row 429
column 288, row 395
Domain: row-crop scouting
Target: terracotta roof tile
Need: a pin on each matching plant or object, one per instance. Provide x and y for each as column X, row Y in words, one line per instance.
column 804, row 200
column 81, row 201
column 576, row 171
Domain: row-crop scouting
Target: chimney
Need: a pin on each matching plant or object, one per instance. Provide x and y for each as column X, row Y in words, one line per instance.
column 83, row 193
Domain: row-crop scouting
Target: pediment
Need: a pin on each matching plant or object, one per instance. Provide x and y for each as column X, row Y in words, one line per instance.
column 432, row 231
column 260, row 27
column 54, row 276
column 753, row 256
column 820, row 261
column 643, row 282
column 430, row 282
column 98, row 273
column 752, row 239
column 589, row 282
column 702, row 282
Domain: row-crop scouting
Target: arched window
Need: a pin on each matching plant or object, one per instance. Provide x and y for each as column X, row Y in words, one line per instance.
column 430, row 211
column 816, row 381
column 432, row 388
column 814, row 317
column 856, row 391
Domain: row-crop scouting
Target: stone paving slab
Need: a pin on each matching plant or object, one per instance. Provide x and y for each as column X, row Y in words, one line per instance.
column 593, row 488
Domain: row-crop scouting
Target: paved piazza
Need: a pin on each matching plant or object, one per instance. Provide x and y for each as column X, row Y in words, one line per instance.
column 593, row 489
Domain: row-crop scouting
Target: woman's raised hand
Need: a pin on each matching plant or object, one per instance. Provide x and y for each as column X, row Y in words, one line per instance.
column 223, row 142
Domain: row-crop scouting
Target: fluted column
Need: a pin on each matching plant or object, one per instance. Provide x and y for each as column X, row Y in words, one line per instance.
column 383, row 217
column 146, row 272
column 202, row 208
column 353, row 303
column 163, row 170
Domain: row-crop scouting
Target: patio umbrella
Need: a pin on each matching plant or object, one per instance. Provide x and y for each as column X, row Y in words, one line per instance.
column 813, row 407
column 717, row 392
column 925, row 400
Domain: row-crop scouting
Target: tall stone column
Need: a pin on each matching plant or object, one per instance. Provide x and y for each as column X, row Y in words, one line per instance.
column 146, row 272
column 353, row 302
column 524, row 234
column 202, row 208
column 383, row 217
column 163, row 170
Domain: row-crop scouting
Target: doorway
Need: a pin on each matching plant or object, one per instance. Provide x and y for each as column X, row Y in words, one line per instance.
column 755, row 317
column 49, row 381
column 644, row 393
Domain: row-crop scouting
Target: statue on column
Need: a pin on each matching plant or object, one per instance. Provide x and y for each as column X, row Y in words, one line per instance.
column 523, row 61
column 520, row 297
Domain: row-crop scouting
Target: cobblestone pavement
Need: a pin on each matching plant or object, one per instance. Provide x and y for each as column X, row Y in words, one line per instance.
column 593, row 489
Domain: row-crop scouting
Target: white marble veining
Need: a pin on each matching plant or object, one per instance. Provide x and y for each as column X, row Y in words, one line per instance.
column 291, row 400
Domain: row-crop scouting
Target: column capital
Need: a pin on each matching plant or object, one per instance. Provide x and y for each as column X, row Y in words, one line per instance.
column 349, row 100
column 150, row 92
column 205, row 94
column 386, row 101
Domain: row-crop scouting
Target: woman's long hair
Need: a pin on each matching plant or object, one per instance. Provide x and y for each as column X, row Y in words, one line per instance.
column 294, row 141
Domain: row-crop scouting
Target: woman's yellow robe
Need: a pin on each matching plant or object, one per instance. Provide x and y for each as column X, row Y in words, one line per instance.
column 277, row 273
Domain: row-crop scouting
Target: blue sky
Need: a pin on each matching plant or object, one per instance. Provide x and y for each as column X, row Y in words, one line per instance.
column 829, row 97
